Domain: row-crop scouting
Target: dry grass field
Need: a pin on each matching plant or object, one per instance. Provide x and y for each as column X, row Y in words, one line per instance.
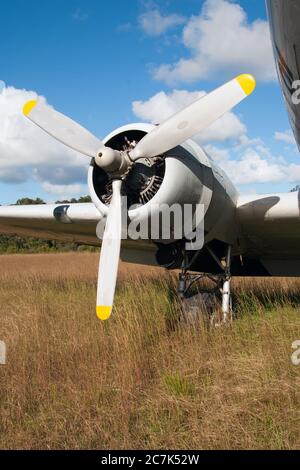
column 142, row 380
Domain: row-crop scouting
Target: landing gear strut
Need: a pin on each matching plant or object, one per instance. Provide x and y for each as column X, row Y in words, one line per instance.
column 215, row 301
column 226, row 295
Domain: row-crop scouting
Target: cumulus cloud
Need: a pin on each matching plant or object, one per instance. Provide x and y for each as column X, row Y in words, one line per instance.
column 245, row 160
column 245, row 141
column 254, row 165
column 26, row 152
column 155, row 24
column 221, row 41
column 287, row 137
column 162, row 105
column 62, row 190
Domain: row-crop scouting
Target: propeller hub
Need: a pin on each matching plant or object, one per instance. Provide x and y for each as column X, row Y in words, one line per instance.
column 109, row 160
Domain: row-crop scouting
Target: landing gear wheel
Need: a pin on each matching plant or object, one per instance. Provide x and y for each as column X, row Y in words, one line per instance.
column 199, row 306
column 214, row 305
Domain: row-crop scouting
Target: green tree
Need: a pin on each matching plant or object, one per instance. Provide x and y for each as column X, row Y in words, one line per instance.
column 29, row 201
column 74, row 200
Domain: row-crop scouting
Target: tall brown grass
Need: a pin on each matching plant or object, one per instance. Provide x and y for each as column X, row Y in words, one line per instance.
column 142, row 380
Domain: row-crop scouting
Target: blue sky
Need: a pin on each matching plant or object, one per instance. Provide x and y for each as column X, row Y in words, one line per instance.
column 92, row 59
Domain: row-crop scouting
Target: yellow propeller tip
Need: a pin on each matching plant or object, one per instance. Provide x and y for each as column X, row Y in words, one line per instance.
column 103, row 312
column 28, row 107
column 247, row 83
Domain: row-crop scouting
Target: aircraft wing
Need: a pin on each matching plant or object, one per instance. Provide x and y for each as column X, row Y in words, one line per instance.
column 66, row 222
column 270, row 223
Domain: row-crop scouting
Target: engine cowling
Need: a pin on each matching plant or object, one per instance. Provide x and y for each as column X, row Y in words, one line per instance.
column 184, row 175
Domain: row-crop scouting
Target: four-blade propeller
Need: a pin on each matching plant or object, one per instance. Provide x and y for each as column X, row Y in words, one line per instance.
column 174, row 131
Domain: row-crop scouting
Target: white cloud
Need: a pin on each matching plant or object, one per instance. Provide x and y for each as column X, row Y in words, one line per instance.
column 254, row 165
column 162, row 105
column 155, row 24
column 287, row 137
column 63, row 190
column 221, row 41
column 219, row 155
column 245, row 141
column 245, row 160
column 26, row 152
column 251, row 167
column 225, row 128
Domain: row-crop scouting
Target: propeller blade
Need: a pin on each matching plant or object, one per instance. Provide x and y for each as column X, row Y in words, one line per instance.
column 62, row 128
column 194, row 118
column 110, row 254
